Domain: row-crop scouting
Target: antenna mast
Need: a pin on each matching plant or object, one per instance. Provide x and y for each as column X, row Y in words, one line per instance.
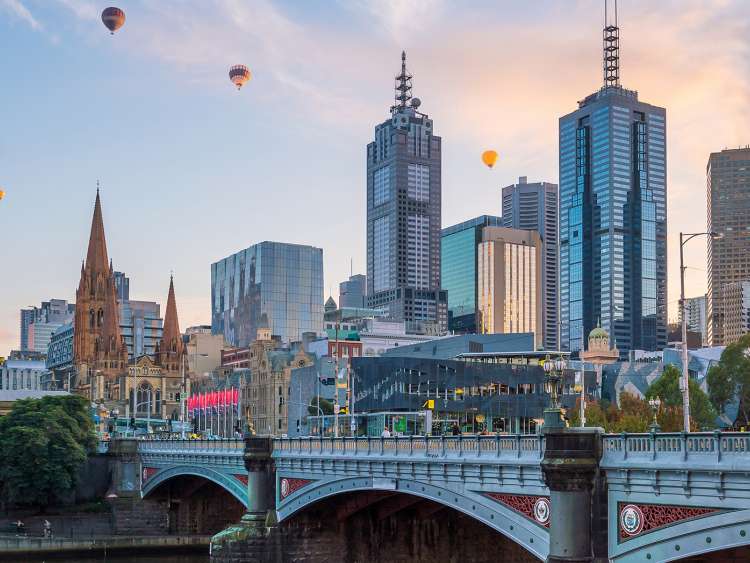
column 403, row 85
column 611, row 38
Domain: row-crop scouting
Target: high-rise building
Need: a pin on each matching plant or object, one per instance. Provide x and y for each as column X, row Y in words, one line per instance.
column 735, row 300
column 728, row 191
column 268, row 285
column 353, row 292
column 458, row 265
column 613, row 216
column 141, row 326
column 509, row 288
column 695, row 311
column 403, row 215
column 48, row 317
column 533, row 206
column 122, row 286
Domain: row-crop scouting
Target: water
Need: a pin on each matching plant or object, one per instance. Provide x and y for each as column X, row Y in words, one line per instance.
column 132, row 559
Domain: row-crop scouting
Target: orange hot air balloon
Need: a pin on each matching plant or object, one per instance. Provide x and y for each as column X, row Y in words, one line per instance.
column 239, row 75
column 113, row 18
column 489, row 158
column 2, row 194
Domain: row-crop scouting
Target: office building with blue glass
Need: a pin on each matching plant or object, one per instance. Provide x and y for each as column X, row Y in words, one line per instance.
column 613, row 216
column 458, row 270
column 269, row 285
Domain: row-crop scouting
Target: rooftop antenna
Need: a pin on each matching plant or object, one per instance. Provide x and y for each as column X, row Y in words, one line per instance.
column 403, row 85
column 611, row 36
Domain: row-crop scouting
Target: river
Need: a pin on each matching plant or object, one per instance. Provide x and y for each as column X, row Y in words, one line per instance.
column 133, row 559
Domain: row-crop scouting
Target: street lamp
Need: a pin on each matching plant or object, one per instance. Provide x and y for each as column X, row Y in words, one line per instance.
column 684, row 382
column 655, row 404
column 553, row 371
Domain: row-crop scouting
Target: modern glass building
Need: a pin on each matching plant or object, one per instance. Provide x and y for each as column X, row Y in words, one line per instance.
column 728, row 191
column 458, row 270
column 613, row 216
column 141, row 326
column 269, row 285
column 403, row 215
column 534, row 206
column 353, row 292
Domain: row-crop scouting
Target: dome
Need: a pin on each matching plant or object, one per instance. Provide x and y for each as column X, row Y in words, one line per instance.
column 598, row 333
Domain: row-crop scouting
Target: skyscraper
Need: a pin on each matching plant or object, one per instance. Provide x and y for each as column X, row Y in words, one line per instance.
column 270, row 285
column 728, row 191
column 403, row 215
column 38, row 323
column 695, row 311
column 353, row 292
column 509, row 289
column 613, row 217
column 458, row 264
column 534, row 207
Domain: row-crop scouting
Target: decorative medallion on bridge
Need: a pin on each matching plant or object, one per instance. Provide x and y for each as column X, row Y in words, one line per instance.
column 636, row 519
column 241, row 478
column 289, row 485
column 535, row 508
column 149, row 472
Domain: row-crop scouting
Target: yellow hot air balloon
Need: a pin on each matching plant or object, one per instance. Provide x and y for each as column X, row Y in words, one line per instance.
column 2, row 194
column 489, row 158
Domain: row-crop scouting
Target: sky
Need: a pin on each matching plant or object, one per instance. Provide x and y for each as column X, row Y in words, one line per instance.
column 191, row 170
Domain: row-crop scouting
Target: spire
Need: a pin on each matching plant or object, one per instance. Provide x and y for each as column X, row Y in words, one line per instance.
column 403, row 85
column 171, row 340
column 611, row 37
column 96, row 257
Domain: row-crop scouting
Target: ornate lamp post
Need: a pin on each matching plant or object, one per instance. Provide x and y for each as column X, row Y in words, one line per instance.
column 655, row 403
column 553, row 371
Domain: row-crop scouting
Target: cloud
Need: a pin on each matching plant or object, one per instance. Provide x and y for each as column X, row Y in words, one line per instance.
column 17, row 8
column 82, row 9
column 399, row 18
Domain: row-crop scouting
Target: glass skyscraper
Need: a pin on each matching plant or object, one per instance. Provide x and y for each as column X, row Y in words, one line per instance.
column 458, row 265
column 613, row 216
column 534, row 207
column 403, row 215
column 269, row 285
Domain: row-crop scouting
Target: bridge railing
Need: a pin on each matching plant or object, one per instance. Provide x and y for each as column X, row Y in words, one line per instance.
column 194, row 446
column 526, row 446
column 677, row 447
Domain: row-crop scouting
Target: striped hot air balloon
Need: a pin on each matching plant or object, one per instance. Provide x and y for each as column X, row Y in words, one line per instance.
column 113, row 18
column 239, row 75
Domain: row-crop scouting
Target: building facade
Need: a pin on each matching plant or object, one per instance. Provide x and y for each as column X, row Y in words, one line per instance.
column 613, row 216
column 735, row 299
column 534, row 207
column 509, row 287
column 695, row 312
column 270, row 284
column 22, row 374
column 353, row 292
column 458, row 265
column 728, row 191
column 141, row 326
column 403, row 215
column 38, row 323
column 60, row 357
column 122, row 286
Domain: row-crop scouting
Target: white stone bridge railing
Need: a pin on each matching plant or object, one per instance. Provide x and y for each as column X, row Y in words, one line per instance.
column 526, row 447
column 177, row 446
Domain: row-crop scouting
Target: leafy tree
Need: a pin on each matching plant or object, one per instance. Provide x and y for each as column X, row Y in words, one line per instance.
column 667, row 388
column 732, row 375
column 326, row 406
column 45, row 442
column 720, row 387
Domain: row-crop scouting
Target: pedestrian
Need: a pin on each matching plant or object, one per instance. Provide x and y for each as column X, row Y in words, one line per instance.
column 386, row 433
column 20, row 528
column 47, row 529
column 455, row 430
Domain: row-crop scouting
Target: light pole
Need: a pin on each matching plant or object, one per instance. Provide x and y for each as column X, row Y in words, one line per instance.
column 685, row 381
column 655, row 404
column 554, row 371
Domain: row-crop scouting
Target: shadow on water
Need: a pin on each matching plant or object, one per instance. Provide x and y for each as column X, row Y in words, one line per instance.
column 193, row 558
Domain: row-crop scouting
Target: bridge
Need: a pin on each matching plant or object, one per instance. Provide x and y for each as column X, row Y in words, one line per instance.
column 565, row 496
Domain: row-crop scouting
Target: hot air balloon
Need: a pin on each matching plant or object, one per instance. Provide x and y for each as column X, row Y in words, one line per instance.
column 489, row 158
column 239, row 75
column 2, row 194
column 113, row 18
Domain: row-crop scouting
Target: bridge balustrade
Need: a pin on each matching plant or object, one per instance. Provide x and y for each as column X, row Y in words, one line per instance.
column 507, row 446
column 231, row 446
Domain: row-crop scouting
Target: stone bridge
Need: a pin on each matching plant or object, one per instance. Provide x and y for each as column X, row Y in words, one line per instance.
column 562, row 496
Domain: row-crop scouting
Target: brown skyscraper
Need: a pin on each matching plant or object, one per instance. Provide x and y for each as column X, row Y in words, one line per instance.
column 99, row 351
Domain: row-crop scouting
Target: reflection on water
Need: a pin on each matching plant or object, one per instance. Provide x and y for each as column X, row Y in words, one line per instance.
column 135, row 559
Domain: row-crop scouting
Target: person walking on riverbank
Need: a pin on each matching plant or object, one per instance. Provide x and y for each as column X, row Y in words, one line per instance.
column 47, row 529
column 20, row 528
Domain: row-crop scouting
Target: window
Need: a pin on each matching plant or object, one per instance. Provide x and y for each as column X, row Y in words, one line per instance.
column 381, row 185
column 381, row 253
column 418, row 182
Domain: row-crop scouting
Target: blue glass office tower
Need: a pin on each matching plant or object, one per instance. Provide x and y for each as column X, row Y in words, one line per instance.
column 613, row 217
column 269, row 285
column 458, row 270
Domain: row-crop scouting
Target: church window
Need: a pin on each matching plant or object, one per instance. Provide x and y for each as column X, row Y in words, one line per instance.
column 91, row 318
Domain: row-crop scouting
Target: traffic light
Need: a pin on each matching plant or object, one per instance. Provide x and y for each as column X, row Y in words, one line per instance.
column 177, row 396
column 132, row 422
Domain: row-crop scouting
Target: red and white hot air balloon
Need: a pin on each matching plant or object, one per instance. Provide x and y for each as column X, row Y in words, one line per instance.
column 113, row 18
column 239, row 75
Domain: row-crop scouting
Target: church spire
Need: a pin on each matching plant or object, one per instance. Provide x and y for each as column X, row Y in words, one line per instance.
column 96, row 257
column 171, row 341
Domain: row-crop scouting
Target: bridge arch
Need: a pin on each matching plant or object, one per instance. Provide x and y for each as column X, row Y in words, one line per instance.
column 232, row 485
column 701, row 536
column 521, row 530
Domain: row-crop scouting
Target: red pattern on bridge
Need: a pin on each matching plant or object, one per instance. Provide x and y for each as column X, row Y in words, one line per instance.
column 149, row 472
column 657, row 516
column 289, row 485
column 522, row 503
column 241, row 478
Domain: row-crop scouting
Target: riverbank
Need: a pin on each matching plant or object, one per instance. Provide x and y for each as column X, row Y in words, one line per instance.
column 13, row 548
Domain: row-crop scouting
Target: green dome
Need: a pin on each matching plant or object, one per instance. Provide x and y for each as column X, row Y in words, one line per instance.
column 598, row 332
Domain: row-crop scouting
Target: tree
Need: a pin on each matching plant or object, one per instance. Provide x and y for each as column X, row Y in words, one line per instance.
column 667, row 388
column 326, row 406
column 45, row 442
column 720, row 387
column 731, row 377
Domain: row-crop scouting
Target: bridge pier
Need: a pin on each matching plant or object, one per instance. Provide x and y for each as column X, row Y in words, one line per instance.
column 570, row 467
